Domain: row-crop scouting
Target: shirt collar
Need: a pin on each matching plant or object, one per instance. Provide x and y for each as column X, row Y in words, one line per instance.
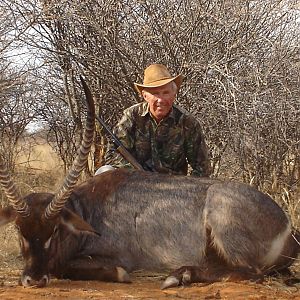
column 145, row 109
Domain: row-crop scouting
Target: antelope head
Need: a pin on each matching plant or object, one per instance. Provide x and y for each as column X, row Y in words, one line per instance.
column 38, row 215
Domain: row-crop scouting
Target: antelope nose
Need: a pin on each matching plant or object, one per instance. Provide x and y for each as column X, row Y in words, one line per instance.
column 44, row 281
column 27, row 281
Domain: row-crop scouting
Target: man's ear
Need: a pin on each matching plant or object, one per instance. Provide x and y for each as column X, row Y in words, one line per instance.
column 144, row 95
column 7, row 214
column 74, row 223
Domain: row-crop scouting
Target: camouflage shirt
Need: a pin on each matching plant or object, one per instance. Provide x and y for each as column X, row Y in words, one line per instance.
column 168, row 147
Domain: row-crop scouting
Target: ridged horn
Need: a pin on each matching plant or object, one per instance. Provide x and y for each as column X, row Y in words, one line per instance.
column 59, row 200
column 11, row 191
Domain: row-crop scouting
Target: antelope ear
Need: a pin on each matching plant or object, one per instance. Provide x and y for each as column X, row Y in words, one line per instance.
column 74, row 223
column 7, row 214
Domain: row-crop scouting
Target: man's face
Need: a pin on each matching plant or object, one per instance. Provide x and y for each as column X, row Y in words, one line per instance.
column 160, row 99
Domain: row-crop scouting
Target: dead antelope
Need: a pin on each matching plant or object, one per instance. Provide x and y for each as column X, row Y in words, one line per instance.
column 206, row 230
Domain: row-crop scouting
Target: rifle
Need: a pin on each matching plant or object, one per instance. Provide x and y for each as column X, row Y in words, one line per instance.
column 121, row 148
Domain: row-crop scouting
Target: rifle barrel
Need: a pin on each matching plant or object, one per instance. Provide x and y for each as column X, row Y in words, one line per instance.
column 120, row 147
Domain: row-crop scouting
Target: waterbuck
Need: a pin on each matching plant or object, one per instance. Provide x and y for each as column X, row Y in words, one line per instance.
column 204, row 230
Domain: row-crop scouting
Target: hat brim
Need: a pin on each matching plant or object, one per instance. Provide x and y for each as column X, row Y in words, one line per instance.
column 178, row 81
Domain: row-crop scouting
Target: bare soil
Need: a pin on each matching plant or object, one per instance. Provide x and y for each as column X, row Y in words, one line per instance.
column 142, row 289
column 144, row 286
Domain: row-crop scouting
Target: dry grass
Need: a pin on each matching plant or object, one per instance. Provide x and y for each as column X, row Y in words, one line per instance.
column 39, row 157
column 9, row 250
column 38, row 169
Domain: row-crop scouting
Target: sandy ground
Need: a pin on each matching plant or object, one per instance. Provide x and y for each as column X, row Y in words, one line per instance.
column 146, row 289
column 144, row 286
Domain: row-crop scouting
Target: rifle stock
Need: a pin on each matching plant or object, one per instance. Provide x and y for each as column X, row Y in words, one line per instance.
column 126, row 154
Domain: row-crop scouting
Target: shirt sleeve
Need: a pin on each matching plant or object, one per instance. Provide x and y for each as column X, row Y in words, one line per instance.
column 196, row 149
column 124, row 132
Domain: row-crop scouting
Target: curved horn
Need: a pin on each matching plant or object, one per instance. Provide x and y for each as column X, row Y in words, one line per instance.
column 11, row 191
column 62, row 196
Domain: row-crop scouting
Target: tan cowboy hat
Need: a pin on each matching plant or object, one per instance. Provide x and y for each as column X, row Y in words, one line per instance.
column 157, row 75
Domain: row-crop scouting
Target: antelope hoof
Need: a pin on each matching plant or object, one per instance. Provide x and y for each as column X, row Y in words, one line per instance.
column 181, row 276
column 123, row 276
column 186, row 277
column 171, row 281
